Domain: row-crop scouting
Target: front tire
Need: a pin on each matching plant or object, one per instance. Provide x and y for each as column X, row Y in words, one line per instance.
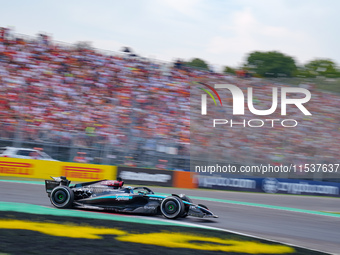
column 172, row 207
column 62, row 197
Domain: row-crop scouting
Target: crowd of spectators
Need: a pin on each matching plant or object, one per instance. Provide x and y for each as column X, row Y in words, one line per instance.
column 81, row 97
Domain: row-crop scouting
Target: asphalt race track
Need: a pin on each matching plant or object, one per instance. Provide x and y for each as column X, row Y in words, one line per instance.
column 305, row 229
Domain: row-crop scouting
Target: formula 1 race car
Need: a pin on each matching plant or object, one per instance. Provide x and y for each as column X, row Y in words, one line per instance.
column 109, row 195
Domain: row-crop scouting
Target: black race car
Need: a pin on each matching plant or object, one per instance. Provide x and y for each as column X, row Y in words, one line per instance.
column 109, row 195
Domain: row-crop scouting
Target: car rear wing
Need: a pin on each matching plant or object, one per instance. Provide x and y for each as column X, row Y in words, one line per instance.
column 57, row 181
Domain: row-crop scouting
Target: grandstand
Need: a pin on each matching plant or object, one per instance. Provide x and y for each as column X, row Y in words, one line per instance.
column 125, row 110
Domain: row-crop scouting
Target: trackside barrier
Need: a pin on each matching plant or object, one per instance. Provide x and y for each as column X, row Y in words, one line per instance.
column 270, row 185
column 42, row 169
column 166, row 178
column 146, row 176
column 184, row 179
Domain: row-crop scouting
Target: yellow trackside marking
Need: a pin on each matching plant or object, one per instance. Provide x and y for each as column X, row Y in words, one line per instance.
column 65, row 230
column 165, row 239
column 191, row 241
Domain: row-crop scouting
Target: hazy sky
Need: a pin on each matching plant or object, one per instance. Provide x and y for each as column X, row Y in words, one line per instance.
column 221, row 32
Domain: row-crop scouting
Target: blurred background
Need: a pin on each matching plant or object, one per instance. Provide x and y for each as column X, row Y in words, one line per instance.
column 79, row 103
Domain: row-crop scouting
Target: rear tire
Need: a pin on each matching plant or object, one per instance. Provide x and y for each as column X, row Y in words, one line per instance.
column 172, row 207
column 62, row 197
